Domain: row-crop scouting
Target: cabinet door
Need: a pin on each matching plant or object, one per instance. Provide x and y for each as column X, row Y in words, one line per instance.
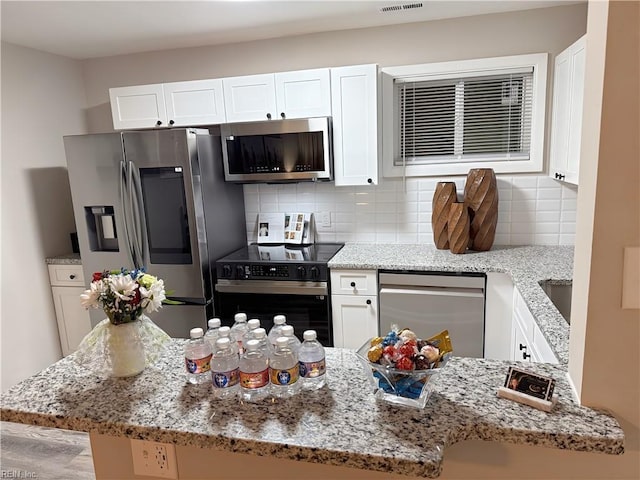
column 303, row 94
column 521, row 351
column 73, row 319
column 250, row 98
column 355, row 320
column 194, row 103
column 566, row 120
column 354, row 106
column 140, row 106
column 578, row 55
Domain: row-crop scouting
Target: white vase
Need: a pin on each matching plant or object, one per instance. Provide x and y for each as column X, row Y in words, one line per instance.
column 124, row 349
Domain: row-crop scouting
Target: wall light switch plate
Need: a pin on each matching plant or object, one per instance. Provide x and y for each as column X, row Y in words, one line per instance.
column 154, row 459
column 631, row 278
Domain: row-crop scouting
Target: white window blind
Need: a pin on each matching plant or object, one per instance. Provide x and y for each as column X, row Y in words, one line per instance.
column 468, row 118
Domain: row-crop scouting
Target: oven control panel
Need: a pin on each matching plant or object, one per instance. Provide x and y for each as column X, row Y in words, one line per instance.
column 273, row 271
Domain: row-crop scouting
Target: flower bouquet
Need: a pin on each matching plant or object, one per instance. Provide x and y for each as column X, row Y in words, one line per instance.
column 127, row 341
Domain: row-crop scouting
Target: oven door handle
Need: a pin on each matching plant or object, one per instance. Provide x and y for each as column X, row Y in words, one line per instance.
column 266, row 287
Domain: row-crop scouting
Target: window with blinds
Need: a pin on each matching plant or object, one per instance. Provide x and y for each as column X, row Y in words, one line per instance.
column 480, row 118
column 449, row 117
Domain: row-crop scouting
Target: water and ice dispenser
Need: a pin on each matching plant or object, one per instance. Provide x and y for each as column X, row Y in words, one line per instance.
column 101, row 226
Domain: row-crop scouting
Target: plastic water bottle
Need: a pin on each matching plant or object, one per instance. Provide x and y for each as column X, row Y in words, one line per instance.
column 239, row 328
column 294, row 342
column 311, row 359
column 224, row 370
column 254, row 372
column 252, row 325
column 260, row 334
column 225, row 332
column 284, row 370
column 211, row 335
column 197, row 357
column 276, row 330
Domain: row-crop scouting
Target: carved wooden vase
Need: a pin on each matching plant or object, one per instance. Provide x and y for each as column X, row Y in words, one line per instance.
column 458, row 228
column 481, row 197
column 443, row 197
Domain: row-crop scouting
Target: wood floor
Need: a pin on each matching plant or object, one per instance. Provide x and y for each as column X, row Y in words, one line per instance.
column 44, row 453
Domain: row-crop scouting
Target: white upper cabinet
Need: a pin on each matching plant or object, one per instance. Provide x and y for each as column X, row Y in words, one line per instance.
column 566, row 122
column 193, row 103
column 354, row 105
column 140, row 106
column 300, row 94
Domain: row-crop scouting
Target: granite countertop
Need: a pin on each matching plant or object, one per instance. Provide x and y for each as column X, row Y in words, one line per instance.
column 66, row 259
column 341, row 424
column 526, row 265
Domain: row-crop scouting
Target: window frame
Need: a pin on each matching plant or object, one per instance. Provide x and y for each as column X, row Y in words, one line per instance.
column 457, row 69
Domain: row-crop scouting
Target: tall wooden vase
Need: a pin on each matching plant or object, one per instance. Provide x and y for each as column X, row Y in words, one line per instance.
column 481, row 197
column 458, row 228
column 444, row 195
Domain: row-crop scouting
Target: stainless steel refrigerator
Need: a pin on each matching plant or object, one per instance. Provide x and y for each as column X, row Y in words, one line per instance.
column 156, row 199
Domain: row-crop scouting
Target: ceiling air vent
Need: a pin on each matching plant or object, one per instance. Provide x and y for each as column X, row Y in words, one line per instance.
column 399, row 8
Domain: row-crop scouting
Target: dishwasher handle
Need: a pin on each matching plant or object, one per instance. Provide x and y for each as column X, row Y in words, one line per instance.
column 440, row 292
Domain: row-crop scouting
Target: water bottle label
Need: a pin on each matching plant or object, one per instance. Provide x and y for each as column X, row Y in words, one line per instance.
column 226, row 379
column 255, row 379
column 312, row 369
column 285, row 377
column 198, row 365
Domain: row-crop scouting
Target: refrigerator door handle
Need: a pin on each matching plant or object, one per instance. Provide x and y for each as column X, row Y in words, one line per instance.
column 135, row 221
column 125, row 208
column 139, row 215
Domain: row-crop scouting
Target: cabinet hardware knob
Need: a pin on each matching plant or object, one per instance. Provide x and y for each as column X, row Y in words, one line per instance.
column 282, row 114
column 171, row 122
column 353, row 284
column 72, row 276
column 525, row 356
column 269, row 116
column 158, row 123
column 368, row 302
column 523, row 347
column 369, row 180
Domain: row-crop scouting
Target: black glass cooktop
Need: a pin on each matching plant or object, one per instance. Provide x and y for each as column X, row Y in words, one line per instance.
column 315, row 253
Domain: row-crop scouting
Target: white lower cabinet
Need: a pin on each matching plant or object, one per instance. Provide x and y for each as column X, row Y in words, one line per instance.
column 67, row 283
column 528, row 342
column 354, row 307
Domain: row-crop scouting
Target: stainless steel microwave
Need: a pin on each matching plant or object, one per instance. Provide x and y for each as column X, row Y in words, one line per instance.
column 276, row 151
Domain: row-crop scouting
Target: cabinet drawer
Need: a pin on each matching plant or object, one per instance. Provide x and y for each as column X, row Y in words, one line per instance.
column 66, row 275
column 354, row 282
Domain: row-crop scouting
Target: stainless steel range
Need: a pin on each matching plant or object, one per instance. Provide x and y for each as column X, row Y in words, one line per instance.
column 267, row 280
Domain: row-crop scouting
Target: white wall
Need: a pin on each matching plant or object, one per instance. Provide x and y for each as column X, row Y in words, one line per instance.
column 42, row 100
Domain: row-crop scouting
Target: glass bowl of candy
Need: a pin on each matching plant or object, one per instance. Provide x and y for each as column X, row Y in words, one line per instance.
column 399, row 365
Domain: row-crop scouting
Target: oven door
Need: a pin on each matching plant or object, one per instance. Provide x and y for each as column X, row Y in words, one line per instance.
column 305, row 304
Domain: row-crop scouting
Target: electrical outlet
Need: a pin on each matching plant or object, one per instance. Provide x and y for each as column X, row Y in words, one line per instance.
column 324, row 220
column 154, row 459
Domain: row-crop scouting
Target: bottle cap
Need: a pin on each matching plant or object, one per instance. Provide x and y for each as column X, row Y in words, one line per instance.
column 282, row 342
column 309, row 335
column 287, row 331
column 240, row 317
column 196, row 332
column 224, row 331
column 253, row 323
column 260, row 333
column 279, row 320
column 223, row 342
column 213, row 322
column 252, row 345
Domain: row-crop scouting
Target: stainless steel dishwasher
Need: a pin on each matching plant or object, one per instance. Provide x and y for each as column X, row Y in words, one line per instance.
column 429, row 302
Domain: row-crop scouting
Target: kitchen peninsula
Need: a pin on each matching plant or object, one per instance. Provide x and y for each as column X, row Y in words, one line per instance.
column 341, row 425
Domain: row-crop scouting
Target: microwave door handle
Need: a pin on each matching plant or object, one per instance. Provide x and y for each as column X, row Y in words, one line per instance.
column 143, row 241
column 125, row 208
